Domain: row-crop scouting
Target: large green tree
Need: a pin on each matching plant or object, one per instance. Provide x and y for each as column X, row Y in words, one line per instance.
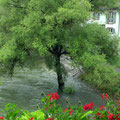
column 48, row 28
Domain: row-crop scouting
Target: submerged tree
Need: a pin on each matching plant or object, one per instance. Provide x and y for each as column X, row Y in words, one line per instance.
column 49, row 28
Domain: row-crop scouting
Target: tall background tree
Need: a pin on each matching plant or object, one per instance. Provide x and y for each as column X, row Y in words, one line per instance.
column 48, row 28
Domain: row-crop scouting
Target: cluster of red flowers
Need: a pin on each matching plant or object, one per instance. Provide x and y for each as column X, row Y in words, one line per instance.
column 100, row 114
column 104, row 96
column 2, row 118
column 70, row 112
column 113, row 116
column 118, row 102
column 53, row 96
column 31, row 118
column 109, row 115
column 50, row 118
column 88, row 106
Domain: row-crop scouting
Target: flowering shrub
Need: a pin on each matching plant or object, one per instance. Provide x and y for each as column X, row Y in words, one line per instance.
column 70, row 111
column 53, row 111
column 105, row 96
column 89, row 106
column 53, row 96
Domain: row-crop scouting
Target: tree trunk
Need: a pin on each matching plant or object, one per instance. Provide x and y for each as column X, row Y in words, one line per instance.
column 59, row 73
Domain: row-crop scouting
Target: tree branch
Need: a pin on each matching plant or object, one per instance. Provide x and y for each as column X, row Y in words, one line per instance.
column 64, row 52
column 16, row 6
column 51, row 51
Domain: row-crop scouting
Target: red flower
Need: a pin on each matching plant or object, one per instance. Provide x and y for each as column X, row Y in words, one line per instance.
column 50, row 118
column 53, row 96
column 111, row 117
column 98, row 114
column 31, row 118
column 94, row 117
column 48, row 107
column 105, row 96
column 70, row 112
column 88, row 106
column 64, row 109
column 119, row 108
column 1, row 117
column 118, row 102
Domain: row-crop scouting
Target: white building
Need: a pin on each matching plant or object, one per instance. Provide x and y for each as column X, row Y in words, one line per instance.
column 111, row 21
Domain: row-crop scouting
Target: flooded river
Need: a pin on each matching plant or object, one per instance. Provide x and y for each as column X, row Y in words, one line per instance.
column 26, row 85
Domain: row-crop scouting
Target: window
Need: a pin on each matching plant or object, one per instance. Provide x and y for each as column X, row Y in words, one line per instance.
column 111, row 18
column 112, row 30
column 96, row 16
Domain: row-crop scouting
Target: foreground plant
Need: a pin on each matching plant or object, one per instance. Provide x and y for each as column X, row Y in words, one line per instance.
column 53, row 111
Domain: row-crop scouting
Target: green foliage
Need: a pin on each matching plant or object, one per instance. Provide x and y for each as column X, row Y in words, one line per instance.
column 43, row 28
column 90, row 62
column 10, row 51
column 99, row 73
column 53, row 111
column 51, row 28
column 38, row 27
column 94, row 39
column 116, row 62
column 104, row 4
column 37, row 115
column 11, row 112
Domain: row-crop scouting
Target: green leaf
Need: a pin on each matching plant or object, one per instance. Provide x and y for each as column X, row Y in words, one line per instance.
column 87, row 113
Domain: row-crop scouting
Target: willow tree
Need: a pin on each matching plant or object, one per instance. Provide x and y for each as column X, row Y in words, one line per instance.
column 48, row 28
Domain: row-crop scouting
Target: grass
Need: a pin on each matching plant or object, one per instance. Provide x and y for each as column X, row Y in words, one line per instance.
column 69, row 89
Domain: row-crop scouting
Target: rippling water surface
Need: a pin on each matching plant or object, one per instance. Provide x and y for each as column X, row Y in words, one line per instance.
column 25, row 87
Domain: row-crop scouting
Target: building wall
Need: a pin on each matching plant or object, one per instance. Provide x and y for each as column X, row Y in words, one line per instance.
column 103, row 21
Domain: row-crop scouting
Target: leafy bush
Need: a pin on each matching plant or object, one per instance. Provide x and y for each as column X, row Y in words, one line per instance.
column 11, row 112
column 89, row 61
column 53, row 111
column 100, row 74
column 37, row 115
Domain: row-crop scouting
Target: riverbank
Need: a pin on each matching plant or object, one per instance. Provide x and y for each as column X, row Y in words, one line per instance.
column 113, row 91
column 104, row 79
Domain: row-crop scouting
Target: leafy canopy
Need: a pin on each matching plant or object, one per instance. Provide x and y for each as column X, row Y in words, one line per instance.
column 38, row 25
column 49, row 27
